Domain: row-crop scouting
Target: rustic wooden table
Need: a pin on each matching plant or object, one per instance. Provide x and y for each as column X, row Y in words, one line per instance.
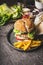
column 10, row 56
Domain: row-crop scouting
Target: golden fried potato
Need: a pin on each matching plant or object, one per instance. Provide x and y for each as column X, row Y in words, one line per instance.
column 35, row 43
column 27, row 44
column 18, row 44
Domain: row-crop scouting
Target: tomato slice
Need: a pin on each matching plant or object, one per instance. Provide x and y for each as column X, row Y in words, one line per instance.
column 22, row 39
column 25, row 16
column 19, row 38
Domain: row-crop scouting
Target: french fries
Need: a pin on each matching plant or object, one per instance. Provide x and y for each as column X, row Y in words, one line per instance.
column 35, row 43
column 27, row 44
column 18, row 44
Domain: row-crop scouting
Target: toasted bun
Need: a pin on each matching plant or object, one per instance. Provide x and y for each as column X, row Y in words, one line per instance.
column 24, row 25
column 19, row 25
column 28, row 24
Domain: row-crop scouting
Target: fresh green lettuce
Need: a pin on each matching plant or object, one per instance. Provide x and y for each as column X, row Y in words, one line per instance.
column 16, row 31
column 7, row 13
column 4, row 14
column 31, row 35
column 17, row 10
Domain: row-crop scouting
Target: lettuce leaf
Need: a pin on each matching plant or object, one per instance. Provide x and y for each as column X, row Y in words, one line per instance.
column 16, row 31
column 31, row 35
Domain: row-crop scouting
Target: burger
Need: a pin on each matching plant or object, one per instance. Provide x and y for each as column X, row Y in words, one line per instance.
column 24, row 29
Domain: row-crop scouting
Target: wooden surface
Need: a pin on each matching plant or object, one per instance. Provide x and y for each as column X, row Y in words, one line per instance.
column 10, row 56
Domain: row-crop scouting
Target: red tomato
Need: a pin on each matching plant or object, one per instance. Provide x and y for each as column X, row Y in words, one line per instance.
column 25, row 16
column 19, row 38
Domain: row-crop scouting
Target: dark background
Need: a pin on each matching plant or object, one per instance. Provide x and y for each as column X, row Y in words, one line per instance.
column 11, row 2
